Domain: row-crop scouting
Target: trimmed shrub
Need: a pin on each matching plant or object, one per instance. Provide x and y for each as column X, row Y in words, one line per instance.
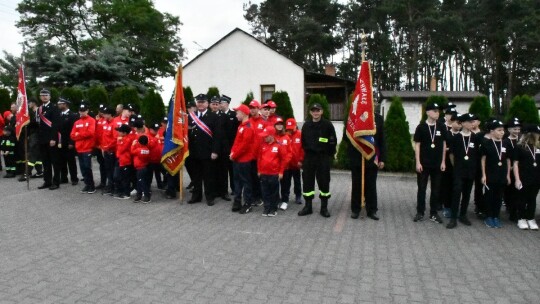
column 212, row 91
column 126, row 95
column 342, row 157
column 524, row 108
column 188, row 94
column 400, row 152
column 480, row 107
column 73, row 94
column 283, row 102
column 321, row 99
column 152, row 108
column 249, row 98
column 5, row 100
column 95, row 96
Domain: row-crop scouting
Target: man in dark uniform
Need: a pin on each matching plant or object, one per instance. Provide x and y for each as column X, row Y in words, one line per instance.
column 204, row 147
column 230, row 126
column 66, row 146
column 48, row 140
column 32, row 129
column 370, row 174
column 319, row 143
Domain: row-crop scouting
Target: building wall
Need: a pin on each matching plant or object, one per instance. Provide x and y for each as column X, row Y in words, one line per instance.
column 240, row 64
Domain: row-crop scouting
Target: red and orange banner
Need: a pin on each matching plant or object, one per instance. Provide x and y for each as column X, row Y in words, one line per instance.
column 361, row 121
column 22, row 117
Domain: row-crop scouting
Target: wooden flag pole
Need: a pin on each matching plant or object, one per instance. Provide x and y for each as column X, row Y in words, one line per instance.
column 26, row 173
column 363, row 198
column 181, row 182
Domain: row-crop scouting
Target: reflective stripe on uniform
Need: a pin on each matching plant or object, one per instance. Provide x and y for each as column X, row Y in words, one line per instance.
column 39, row 163
column 312, row 193
column 325, row 194
column 323, row 139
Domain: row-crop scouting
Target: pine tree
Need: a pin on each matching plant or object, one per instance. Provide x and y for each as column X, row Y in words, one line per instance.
column 152, row 108
column 188, row 94
column 96, row 96
column 283, row 102
column 73, row 94
column 524, row 108
column 5, row 100
column 400, row 155
column 480, row 107
column 320, row 99
column 441, row 101
column 125, row 96
column 249, row 98
column 342, row 157
column 212, row 91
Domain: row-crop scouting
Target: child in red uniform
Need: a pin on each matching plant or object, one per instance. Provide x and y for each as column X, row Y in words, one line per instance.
column 283, row 139
column 141, row 157
column 123, row 154
column 108, row 147
column 155, row 167
column 271, row 163
column 293, row 169
column 83, row 134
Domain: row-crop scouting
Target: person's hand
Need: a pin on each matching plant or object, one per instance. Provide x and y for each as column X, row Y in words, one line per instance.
column 419, row 168
column 280, row 176
column 518, row 184
column 70, row 147
column 258, row 174
column 484, row 180
column 214, row 156
column 52, row 143
column 443, row 167
column 381, row 165
column 508, row 180
column 299, row 164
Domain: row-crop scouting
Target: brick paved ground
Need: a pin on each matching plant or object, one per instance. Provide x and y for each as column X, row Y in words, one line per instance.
column 66, row 247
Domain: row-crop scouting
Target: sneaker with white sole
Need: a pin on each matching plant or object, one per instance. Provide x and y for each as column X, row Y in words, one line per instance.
column 522, row 224
column 283, row 206
column 532, row 224
column 272, row 213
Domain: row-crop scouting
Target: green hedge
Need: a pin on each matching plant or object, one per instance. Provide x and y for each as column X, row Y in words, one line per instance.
column 152, row 108
column 400, row 152
column 524, row 108
column 73, row 94
column 126, row 95
column 95, row 96
column 481, row 107
column 5, row 100
column 283, row 102
column 212, row 91
column 321, row 99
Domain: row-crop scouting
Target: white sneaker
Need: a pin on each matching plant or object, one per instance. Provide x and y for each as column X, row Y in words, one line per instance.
column 532, row 224
column 133, row 192
column 283, row 206
column 522, row 224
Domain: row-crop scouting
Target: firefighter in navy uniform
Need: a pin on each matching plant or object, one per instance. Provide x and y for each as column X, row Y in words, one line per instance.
column 66, row 146
column 319, row 144
column 32, row 129
column 48, row 140
column 205, row 138
column 230, row 126
column 373, row 165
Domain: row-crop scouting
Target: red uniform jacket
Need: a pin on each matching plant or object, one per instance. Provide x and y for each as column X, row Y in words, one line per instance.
column 141, row 155
column 297, row 153
column 118, row 121
column 83, row 134
column 156, row 147
column 100, row 122
column 272, row 158
column 243, row 147
column 285, row 141
column 123, row 150
column 108, row 136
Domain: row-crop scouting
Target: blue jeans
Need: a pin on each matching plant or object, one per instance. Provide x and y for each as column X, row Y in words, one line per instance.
column 85, row 163
column 270, row 192
column 243, row 182
column 142, row 182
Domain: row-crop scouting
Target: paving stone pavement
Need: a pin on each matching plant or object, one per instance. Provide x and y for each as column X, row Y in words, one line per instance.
column 66, row 247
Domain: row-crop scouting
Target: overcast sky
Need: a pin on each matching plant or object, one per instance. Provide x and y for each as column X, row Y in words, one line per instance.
column 204, row 22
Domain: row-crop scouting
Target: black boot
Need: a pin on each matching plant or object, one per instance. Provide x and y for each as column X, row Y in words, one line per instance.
column 324, row 207
column 236, row 206
column 307, row 208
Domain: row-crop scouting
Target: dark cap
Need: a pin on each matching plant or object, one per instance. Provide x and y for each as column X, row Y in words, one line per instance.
column 450, row 111
column 531, row 128
column 155, row 126
column 107, row 110
column 83, row 107
column 315, row 106
column 63, row 100
column 225, row 98
column 493, row 124
column 513, row 122
column 44, row 92
column 124, row 129
column 466, row 117
column 138, row 123
column 201, row 97
column 432, row 106
column 165, row 119
column 215, row 99
column 101, row 106
column 450, row 106
column 455, row 116
column 191, row 104
column 129, row 107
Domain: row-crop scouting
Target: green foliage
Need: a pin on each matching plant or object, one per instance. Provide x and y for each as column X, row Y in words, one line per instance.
column 480, row 107
column 400, row 155
column 249, row 98
column 188, row 94
column 75, row 95
column 152, row 109
column 524, row 108
column 212, row 91
column 5, row 100
column 320, row 99
column 442, row 101
column 283, row 102
column 55, row 93
column 126, row 95
column 342, row 158
column 96, row 96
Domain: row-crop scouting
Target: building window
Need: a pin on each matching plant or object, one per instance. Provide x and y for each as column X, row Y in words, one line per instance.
column 266, row 92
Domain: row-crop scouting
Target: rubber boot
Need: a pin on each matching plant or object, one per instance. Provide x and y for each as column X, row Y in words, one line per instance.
column 237, row 205
column 307, row 208
column 324, row 207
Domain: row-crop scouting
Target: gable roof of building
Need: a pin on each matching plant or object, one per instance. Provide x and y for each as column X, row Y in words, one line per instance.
column 247, row 34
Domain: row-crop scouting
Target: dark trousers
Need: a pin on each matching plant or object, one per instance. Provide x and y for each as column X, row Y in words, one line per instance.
column 85, row 162
column 173, row 183
column 316, row 167
column 188, row 164
column 526, row 207
column 433, row 174
column 255, row 182
column 221, row 166
column 445, row 192
column 142, row 182
column 109, row 163
column 10, row 161
column 493, row 199
column 370, row 188
column 479, row 200
column 510, row 198
column 243, row 182
column 101, row 161
column 51, row 170
column 462, row 192
column 288, row 176
column 121, row 179
column 157, row 171
column 67, row 163
column 203, row 175
column 270, row 192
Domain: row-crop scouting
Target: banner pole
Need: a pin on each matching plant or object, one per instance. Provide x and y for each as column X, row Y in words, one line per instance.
column 181, row 182
column 26, row 173
column 363, row 198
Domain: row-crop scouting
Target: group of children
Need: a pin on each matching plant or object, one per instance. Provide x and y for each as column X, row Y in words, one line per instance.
column 502, row 164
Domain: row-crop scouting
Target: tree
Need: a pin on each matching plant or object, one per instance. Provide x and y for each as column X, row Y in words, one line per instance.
column 212, row 91
column 249, row 98
column 480, row 107
column 320, row 99
column 400, row 155
column 188, row 94
column 342, row 158
column 125, row 96
column 524, row 108
column 441, row 101
column 75, row 95
column 5, row 100
column 95, row 96
column 152, row 109
column 283, row 102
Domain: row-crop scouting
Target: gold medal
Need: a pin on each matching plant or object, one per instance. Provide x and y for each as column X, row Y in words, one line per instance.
column 466, row 157
column 500, row 164
column 432, row 145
